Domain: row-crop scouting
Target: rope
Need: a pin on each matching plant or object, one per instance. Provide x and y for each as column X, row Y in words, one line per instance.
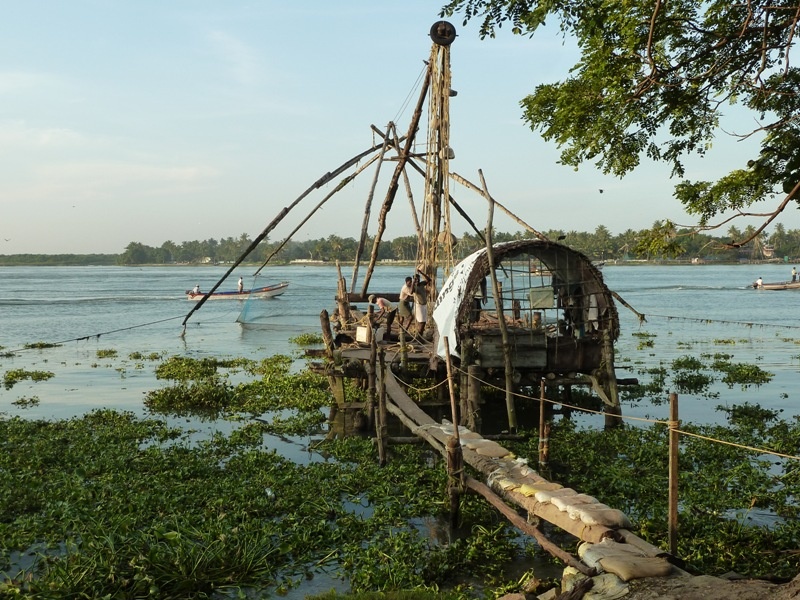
column 724, row 322
column 97, row 335
column 671, row 424
column 734, row 444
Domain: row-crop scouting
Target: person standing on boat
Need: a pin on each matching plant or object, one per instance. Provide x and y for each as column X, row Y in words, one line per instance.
column 240, row 285
column 759, row 283
column 794, row 274
column 420, row 286
column 386, row 308
column 404, row 310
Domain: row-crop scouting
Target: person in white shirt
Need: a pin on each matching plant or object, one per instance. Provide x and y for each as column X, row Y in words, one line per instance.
column 386, row 308
column 404, row 310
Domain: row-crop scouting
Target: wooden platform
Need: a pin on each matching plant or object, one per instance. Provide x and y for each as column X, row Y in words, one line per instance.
column 609, row 545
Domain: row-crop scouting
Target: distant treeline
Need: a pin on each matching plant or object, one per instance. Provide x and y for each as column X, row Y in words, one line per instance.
column 58, row 260
column 598, row 245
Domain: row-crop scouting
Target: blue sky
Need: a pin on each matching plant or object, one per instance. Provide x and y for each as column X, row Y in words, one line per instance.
column 152, row 121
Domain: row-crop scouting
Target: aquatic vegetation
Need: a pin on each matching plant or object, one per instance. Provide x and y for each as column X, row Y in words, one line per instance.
column 26, row 402
column 107, row 353
column 40, row 345
column 725, row 491
column 293, row 400
column 646, row 340
column 209, row 397
column 126, row 507
column 307, row 339
column 687, row 377
column 741, row 373
column 182, row 368
column 141, row 356
column 14, row 376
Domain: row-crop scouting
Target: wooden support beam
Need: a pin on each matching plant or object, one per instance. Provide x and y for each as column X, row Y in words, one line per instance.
column 521, row 524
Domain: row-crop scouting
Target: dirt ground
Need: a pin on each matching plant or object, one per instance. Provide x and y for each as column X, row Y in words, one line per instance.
column 684, row 588
column 711, row 588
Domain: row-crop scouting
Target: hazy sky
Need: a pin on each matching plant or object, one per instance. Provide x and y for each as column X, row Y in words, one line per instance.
column 185, row 120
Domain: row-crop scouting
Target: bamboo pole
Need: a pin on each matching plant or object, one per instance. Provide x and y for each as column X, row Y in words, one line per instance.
column 319, row 205
column 391, row 134
column 498, row 301
column 280, row 216
column 392, row 191
column 466, row 183
column 674, row 424
column 362, row 241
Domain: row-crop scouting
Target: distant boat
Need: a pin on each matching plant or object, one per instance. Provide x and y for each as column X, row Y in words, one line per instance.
column 778, row 285
column 268, row 291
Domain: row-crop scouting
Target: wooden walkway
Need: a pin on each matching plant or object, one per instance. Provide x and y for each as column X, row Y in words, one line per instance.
column 608, row 544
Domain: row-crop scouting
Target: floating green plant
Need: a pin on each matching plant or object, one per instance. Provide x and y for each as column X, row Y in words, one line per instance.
column 26, row 402
column 142, row 356
column 41, row 345
column 307, row 339
column 11, row 378
column 107, row 353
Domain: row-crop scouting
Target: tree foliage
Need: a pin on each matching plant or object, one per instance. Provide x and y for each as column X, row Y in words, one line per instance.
column 655, row 79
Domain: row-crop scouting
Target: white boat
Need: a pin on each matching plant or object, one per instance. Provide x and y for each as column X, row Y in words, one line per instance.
column 267, row 291
column 778, row 285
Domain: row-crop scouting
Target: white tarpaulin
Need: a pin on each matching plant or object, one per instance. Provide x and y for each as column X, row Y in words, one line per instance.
column 448, row 301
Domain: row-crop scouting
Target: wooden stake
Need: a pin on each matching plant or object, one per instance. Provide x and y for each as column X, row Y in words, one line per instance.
column 453, row 409
column 371, row 381
column 498, row 301
column 381, row 427
column 674, row 424
column 455, row 455
column 542, row 421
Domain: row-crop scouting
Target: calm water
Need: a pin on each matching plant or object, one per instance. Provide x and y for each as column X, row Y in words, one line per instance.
column 141, row 310
column 690, row 310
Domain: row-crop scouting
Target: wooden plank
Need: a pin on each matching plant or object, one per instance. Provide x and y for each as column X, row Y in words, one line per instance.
column 426, row 427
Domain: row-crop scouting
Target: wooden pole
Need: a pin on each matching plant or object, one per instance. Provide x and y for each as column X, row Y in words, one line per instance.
column 674, row 424
column 283, row 212
column 466, row 183
column 342, row 301
column 381, row 427
column 371, row 377
column 393, row 184
column 455, row 455
column 403, row 350
column 367, row 209
column 327, row 334
column 453, row 409
column 498, row 301
column 474, row 397
column 542, row 422
column 524, row 526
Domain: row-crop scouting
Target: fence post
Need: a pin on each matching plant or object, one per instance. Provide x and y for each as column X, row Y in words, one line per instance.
column 674, row 424
column 544, row 429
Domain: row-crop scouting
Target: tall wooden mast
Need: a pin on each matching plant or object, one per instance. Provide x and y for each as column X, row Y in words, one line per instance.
column 436, row 242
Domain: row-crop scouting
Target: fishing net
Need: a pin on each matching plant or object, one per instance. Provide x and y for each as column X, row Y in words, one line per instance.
column 258, row 311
